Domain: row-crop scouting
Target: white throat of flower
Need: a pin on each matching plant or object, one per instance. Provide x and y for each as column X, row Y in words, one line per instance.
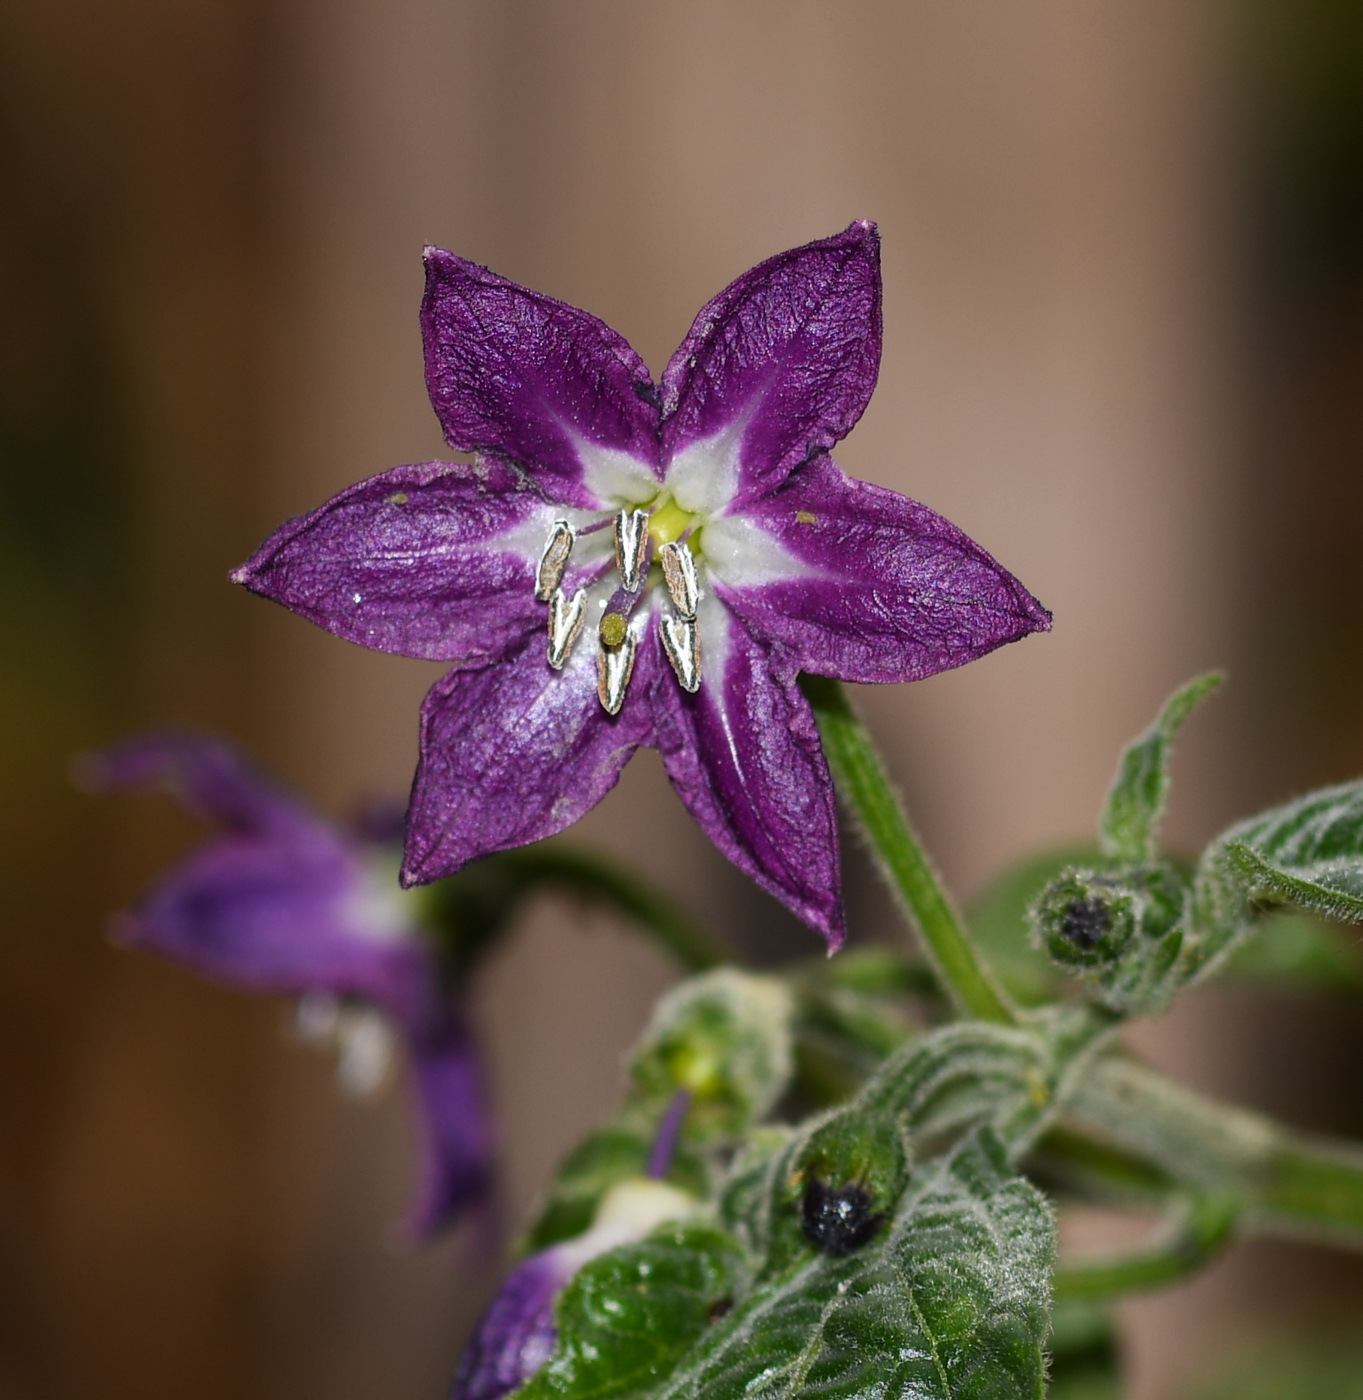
column 637, row 534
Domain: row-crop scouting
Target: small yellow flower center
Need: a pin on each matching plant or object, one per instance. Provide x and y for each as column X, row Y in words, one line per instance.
column 669, row 522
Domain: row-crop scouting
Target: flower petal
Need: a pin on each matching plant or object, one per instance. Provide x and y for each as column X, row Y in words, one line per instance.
column 777, row 367
column 516, row 1335
column 863, row 584
column 514, row 752
column 274, row 917
column 435, row 561
column 455, row 1129
column 211, row 778
column 744, row 755
column 514, row 371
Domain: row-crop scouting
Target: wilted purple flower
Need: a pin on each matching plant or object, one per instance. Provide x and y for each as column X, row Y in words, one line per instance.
column 700, row 528
column 283, row 902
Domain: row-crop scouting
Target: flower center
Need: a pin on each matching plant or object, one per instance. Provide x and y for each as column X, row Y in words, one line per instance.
column 666, row 535
column 668, row 523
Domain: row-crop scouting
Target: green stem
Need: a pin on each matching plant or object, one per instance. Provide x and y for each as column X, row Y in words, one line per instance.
column 865, row 788
column 600, row 881
column 1286, row 1182
column 1203, row 1229
column 470, row 910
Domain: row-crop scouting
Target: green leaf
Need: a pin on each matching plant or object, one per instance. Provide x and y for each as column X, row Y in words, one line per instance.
column 1302, row 952
column 629, row 1316
column 1129, row 825
column 1307, row 853
column 950, row 1303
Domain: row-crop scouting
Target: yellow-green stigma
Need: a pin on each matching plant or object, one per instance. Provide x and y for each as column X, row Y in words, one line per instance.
column 613, row 629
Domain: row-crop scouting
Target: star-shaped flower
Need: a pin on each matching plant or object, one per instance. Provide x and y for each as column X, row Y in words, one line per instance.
column 282, row 902
column 689, row 548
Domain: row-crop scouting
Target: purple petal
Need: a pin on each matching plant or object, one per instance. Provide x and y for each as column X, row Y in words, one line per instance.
column 863, row 584
column 211, row 778
column 516, row 1335
column 514, row 752
column 778, row 367
column 273, row 917
column 456, row 1132
column 514, row 371
column 434, row 561
column 745, row 758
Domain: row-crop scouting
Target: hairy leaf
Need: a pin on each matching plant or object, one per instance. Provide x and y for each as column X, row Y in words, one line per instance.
column 1129, row 825
column 1307, row 853
column 949, row 1302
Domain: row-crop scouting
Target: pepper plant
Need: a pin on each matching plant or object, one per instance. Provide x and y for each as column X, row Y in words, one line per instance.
column 839, row 1179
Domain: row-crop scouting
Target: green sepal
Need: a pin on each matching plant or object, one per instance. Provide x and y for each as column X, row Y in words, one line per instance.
column 1128, row 828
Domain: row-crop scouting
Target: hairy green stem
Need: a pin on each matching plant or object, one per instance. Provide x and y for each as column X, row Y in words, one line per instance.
column 1201, row 1230
column 1286, row 1182
column 868, row 793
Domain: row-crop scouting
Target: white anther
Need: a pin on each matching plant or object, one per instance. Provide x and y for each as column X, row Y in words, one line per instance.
column 631, row 539
column 681, row 642
column 679, row 569
column 613, row 670
column 554, row 560
column 566, row 616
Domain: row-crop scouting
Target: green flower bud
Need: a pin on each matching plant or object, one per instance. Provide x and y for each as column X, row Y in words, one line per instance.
column 1085, row 920
column 1120, row 930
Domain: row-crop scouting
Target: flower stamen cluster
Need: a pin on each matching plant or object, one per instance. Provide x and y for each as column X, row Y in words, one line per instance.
column 618, row 642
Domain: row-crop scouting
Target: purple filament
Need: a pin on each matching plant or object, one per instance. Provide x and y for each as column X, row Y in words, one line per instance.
column 668, row 1131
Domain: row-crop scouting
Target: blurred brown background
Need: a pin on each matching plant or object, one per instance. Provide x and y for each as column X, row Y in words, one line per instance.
column 1123, row 349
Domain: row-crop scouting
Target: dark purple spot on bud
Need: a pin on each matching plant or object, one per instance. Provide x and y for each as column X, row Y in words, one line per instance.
column 649, row 394
column 1084, row 922
column 838, row 1219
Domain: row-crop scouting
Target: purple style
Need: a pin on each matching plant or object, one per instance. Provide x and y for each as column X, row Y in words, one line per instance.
column 698, row 530
column 282, row 902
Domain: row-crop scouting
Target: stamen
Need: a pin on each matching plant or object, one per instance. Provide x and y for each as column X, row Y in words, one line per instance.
column 554, row 560
column 566, row 617
column 613, row 670
column 679, row 569
column 681, row 642
column 631, row 540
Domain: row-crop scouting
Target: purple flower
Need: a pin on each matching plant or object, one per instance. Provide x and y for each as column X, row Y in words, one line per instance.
column 282, row 902
column 697, row 529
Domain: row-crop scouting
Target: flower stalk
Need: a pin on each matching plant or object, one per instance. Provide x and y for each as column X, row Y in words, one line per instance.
column 865, row 787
